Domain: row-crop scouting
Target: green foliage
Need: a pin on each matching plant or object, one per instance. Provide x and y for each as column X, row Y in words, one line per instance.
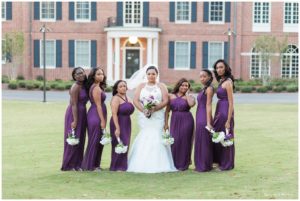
column 5, row 79
column 246, row 89
column 262, row 89
column 12, row 84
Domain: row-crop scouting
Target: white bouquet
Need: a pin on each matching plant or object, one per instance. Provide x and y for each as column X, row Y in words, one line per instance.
column 106, row 138
column 120, row 148
column 167, row 138
column 72, row 140
column 149, row 103
column 216, row 136
column 228, row 140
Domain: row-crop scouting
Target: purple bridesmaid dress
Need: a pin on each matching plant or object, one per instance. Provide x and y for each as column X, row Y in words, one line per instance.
column 181, row 129
column 119, row 161
column 224, row 156
column 203, row 151
column 73, row 155
column 93, row 152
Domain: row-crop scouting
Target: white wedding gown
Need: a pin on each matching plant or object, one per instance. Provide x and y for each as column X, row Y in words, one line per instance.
column 148, row 154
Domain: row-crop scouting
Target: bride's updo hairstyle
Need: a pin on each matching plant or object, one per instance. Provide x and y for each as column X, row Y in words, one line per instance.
column 152, row 67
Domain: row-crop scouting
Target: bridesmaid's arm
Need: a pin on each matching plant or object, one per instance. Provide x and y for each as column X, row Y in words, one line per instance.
column 167, row 113
column 229, row 89
column 74, row 92
column 165, row 98
column 190, row 99
column 136, row 99
column 114, row 110
column 97, row 98
column 209, row 95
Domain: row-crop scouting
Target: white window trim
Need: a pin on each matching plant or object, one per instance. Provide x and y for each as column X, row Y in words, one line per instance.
column 260, row 65
column 41, row 56
column 290, row 27
column 75, row 53
column 290, row 67
column 184, row 21
column 4, row 19
column 189, row 57
column 132, row 15
column 223, row 49
column 223, row 17
column 83, row 20
column 47, row 19
column 261, row 27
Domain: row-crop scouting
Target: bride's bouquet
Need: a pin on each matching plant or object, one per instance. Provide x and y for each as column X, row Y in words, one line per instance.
column 167, row 138
column 106, row 138
column 149, row 103
column 72, row 140
column 120, row 148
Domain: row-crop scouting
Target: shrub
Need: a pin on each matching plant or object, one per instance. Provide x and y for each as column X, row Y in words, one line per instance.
column 279, row 89
column 58, row 80
column 108, row 89
column 262, row 89
column 246, row 89
column 5, row 79
column 39, row 78
column 196, row 88
column 68, row 85
column 22, row 83
column 292, row 88
column 37, row 84
column 237, row 88
column 47, row 87
column 53, row 85
column 20, row 77
column 192, row 81
column 60, row 87
column 13, row 85
column 170, row 89
column 29, row 85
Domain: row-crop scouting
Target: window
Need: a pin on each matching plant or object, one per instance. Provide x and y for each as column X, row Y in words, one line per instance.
column 258, row 66
column 83, row 54
column 133, row 13
column 216, row 12
column 47, row 11
column 50, row 54
column 83, row 11
column 215, row 52
column 261, row 16
column 290, row 62
column 3, row 6
column 183, row 12
column 291, row 17
column 182, row 55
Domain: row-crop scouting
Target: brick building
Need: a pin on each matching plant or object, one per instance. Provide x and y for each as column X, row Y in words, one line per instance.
column 180, row 37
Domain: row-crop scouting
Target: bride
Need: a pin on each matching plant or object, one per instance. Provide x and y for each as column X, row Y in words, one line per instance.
column 148, row 154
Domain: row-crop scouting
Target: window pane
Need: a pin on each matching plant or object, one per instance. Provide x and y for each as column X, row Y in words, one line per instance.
column 47, row 10
column 3, row 4
column 215, row 53
column 183, row 11
column 133, row 12
column 82, row 53
column 50, row 54
column 83, row 10
column 182, row 55
column 216, row 11
column 290, row 62
column 261, row 12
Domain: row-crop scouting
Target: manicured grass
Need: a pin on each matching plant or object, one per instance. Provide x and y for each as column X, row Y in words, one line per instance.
column 266, row 160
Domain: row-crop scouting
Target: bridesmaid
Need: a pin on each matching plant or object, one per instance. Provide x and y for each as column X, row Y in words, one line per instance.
column 182, row 123
column 120, row 124
column 224, row 115
column 96, row 118
column 203, row 152
column 75, row 118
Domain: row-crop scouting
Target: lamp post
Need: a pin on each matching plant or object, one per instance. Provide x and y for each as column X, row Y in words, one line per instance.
column 43, row 29
column 229, row 33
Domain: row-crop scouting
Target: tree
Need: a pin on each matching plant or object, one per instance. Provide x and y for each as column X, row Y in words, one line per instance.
column 13, row 48
column 269, row 48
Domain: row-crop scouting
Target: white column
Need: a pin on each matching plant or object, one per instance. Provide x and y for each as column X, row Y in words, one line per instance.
column 109, row 59
column 155, row 51
column 149, row 50
column 117, row 59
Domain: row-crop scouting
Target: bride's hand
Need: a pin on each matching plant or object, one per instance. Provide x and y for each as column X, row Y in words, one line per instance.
column 146, row 113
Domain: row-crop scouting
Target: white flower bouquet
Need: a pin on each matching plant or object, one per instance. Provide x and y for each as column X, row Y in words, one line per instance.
column 228, row 140
column 216, row 136
column 72, row 140
column 167, row 138
column 106, row 138
column 120, row 148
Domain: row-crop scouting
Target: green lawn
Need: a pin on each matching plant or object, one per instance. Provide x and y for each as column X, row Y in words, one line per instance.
column 266, row 160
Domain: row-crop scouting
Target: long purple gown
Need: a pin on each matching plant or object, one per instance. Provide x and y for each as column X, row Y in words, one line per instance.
column 203, row 150
column 73, row 155
column 93, row 153
column 119, row 161
column 181, row 129
column 224, row 156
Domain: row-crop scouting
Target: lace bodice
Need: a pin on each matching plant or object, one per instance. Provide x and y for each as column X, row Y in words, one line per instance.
column 151, row 90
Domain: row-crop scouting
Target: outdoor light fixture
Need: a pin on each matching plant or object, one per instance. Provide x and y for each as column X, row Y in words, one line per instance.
column 133, row 39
